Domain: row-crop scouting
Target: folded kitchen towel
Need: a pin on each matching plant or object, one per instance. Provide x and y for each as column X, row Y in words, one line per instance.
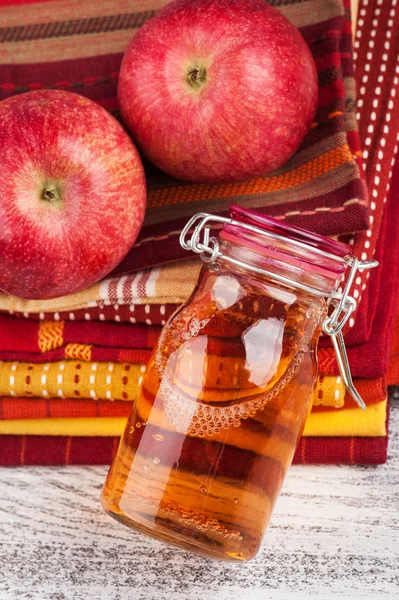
column 342, row 451
column 13, row 408
column 371, row 358
column 18, row 450
column 329, row 394
column 121, row 381
column 170, row 285
column 376, row 54
column 42, row 341
column 84, row 352
column 346, row 422
column 71, row 379
column 393, row 368
column 148, row 313
column 20, row 336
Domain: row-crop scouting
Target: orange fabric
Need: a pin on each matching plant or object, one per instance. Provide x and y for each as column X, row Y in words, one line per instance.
column 50, row 335
column 349, row 422
column 79, row 352
column 371, row 390
column 43, row 408
column 203, row 191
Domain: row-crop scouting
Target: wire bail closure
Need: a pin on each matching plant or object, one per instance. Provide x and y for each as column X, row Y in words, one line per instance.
column 343, row 304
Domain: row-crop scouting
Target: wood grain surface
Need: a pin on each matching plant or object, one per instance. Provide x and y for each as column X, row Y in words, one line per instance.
column 334, row 534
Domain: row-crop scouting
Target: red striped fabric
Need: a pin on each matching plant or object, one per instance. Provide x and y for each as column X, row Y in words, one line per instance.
column 54, row 451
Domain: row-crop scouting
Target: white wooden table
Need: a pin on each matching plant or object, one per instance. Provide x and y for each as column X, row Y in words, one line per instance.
column 334, row 534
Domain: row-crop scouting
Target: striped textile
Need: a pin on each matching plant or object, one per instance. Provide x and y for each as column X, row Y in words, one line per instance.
column 42, row 47
column 346, row 422
column 19, row 450
column 171, row 284
column 376, row 55
column 41, row 337
column 100, row 380
column 151, row 314
column 328, row 394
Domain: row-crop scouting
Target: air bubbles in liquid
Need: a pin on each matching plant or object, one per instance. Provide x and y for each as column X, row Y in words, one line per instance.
column 146, row 467
column 158, row 437
column 156, row 460
column 235, row 501
column 203, row 489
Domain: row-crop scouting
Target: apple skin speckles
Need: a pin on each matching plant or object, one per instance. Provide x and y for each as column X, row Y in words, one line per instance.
column 72, row 193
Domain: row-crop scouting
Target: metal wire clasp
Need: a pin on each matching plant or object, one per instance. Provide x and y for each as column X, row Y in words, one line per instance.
column 343, row 304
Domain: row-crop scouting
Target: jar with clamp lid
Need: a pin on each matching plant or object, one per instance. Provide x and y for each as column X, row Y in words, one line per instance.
column 229, row 386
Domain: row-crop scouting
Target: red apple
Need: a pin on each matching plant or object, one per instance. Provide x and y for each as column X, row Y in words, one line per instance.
column 218, row 90
column 72, row 193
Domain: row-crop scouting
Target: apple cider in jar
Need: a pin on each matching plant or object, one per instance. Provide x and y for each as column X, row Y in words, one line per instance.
column 225, row 396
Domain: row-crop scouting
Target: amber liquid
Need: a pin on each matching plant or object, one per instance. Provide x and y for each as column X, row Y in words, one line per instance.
column 222, row 406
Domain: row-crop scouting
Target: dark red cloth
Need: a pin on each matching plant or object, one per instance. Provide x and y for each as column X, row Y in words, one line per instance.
column 371, row 359
column 393, row 370
column 96, row 354
column 13, row 408
column 53, row 450
column 342, row 451
column 22, row 336
column 378, row 118
column 143, row 313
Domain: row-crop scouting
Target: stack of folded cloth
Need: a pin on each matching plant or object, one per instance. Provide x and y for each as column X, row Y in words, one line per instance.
column 72, row 366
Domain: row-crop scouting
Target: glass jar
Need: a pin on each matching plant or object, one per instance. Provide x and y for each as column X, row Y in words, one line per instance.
column 228, row 388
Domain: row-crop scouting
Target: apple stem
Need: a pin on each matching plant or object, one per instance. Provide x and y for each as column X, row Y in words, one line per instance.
column 48, row 195
column 51, row 194
column 196, row 76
